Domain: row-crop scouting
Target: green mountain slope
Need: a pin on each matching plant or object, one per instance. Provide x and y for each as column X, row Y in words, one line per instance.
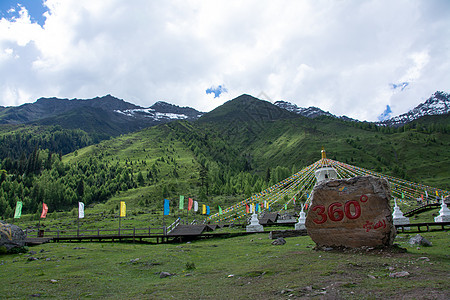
column 238, row 149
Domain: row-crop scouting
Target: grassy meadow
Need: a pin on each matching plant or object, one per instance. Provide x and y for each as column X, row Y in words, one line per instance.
column 245, row 267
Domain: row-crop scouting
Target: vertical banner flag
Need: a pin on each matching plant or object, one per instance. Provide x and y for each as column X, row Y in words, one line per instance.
column 166, row 207
column 181, row 202
column 204, row 209
column 403, row 196
column 256, row 207
column 259, row 208
column 285, row 206
column 207, row 210
column 18, row 212
column 437, row 195
column 247, row 208
column 44, row 210
column 80, row 210
column 220, row 211
column 426, row 194
column 195, row 206
column 190, row 203
column 123, row 209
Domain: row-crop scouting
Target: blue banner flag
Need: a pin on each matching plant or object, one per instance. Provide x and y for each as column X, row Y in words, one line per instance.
column 207, row 210
column 166, row 207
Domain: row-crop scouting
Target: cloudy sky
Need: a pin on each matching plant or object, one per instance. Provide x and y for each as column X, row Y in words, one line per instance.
column 357, row 58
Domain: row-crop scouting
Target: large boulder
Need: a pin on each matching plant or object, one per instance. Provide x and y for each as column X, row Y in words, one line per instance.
column 353, row 213
column 11, row 236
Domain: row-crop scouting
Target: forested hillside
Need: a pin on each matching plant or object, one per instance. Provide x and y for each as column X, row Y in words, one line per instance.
column 234, row 151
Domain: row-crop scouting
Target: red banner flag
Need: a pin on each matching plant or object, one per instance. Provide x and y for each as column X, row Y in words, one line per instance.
column 190, row 203
column 247, row 208
column 44, row 210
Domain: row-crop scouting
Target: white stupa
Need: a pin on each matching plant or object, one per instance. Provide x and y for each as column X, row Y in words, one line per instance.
column 325, row 172
column 444, row 213
column 254, row 224
column 398, row 217
column 301, row 221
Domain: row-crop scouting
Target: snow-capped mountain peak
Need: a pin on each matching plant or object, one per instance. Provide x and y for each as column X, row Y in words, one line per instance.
column 437, row 104
column 310, row 112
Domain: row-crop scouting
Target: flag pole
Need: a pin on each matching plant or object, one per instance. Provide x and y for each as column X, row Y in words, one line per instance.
column 119, row 221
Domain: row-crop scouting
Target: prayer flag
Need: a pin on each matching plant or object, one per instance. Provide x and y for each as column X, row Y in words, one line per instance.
column 285, row 206
column 207, row 210
column 190, row 203
column 204, row 209
column 220, row 211
column 259, row 208
column 166, row 207
column 123, row 209
column 247, row 208
column 181, row 202
column 44, row 210
column 256, row 207
column 18, row 212
column 195, row 206
column 426, row 194
column 403, row 196
column 437, row 193
column 80, row 210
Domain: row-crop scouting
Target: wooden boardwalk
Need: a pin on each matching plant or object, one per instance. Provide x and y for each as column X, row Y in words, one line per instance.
column 180, row 233
column 422, row 208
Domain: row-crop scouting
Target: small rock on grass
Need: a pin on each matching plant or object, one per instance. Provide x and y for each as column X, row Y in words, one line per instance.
column 279, row 241
column 420, row 240
column 165, row 274
column 399, row 274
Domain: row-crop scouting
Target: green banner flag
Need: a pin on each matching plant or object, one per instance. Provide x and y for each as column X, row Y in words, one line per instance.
column 181, row 202
column 18, row 212
column 220, row 210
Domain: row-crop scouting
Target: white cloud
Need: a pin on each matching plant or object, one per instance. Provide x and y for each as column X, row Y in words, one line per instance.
column 342, row 56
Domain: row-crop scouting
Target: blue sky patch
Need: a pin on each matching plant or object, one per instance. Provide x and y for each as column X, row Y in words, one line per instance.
column 400, row 86
column 386, row 114
column 216, row 90
column 9, row 9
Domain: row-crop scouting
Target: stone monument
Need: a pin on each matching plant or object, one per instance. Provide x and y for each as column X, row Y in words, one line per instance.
column 351, row 213
column 11, row 236
column 254, row 224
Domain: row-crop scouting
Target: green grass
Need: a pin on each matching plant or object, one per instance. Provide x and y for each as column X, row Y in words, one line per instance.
column 245, row 267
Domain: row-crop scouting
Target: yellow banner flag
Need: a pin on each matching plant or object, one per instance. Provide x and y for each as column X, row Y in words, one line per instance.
column 204, row 209
column 123, row 209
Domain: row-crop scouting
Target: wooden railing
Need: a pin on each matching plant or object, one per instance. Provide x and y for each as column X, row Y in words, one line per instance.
column 124, row 232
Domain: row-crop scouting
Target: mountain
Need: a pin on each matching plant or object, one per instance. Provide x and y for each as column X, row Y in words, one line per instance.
column 246, row 108
column 310, row 112
column 437, row 104
column 240, row 148
column 106, row 115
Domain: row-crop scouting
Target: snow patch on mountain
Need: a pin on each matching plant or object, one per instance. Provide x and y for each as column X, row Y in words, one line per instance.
column 151, row 113
column 310, row 112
